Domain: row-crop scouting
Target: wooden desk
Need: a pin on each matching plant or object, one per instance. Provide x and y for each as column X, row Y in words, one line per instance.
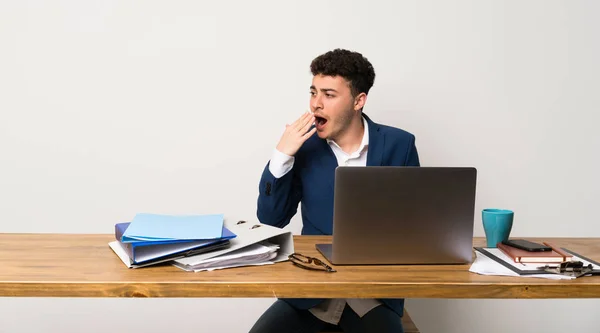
column 56, row 265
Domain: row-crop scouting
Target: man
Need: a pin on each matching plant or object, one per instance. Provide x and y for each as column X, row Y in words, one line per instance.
column 302, row 169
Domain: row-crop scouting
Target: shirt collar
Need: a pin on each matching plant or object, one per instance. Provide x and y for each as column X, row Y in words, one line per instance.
column 365, row 139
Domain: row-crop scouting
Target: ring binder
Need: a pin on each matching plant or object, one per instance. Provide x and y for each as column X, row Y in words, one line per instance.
column 247, row 236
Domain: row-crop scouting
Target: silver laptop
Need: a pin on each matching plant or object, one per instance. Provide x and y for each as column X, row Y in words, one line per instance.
column 402, row 215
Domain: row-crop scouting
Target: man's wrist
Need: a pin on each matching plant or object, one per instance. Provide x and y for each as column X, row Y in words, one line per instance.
column 280, row 163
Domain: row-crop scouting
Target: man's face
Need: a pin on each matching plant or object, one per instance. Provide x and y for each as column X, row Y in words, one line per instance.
column 332, row 103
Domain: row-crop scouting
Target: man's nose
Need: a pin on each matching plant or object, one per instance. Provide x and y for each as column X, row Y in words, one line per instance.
column 316, row 103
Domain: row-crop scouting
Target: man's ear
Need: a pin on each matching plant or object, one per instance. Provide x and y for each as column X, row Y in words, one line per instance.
column 359, row 101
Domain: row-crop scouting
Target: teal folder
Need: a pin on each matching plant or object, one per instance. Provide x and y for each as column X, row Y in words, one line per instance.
column 155, row 227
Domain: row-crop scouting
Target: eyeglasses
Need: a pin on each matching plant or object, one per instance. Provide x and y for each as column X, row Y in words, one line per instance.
column 570, row 268
column 305, row 262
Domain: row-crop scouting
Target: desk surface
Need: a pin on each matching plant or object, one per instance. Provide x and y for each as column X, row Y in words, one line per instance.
column 59, row 265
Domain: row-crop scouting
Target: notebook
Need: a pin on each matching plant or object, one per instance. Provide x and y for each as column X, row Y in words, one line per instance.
column 557, row 255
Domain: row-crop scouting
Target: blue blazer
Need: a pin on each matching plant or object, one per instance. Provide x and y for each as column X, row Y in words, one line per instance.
column 311, row 182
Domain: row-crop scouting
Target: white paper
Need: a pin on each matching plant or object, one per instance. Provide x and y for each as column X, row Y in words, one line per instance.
column 222, row 267
column 249, row 252
column 487, row 266
column 254, row 254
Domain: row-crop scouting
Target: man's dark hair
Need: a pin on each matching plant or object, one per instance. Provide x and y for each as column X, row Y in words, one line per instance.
column 350, row 65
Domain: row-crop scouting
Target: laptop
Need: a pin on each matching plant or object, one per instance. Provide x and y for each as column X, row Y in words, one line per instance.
column 402, row 215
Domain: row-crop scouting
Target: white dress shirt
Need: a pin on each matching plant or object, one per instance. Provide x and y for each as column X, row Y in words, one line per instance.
column 330, row 311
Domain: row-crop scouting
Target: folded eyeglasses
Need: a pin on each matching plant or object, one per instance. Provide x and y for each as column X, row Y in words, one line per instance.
column 570, row 268
column 312, row 263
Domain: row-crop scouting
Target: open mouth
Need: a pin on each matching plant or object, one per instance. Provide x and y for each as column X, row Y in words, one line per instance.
column 320, row 122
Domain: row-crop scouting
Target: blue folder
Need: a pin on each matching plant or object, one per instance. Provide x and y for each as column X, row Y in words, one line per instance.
column 147, row 252
column 156, row 227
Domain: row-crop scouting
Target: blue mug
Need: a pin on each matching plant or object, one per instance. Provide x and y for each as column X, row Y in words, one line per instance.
column 497, row 224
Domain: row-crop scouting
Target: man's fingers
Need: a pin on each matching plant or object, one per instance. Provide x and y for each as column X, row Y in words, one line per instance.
column 307, row 126
column 299, row 120
column 309, row 134
column 307, row 123
column 299, row 124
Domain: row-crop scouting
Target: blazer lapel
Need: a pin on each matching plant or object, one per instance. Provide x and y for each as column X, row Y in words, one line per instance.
column 376, row 144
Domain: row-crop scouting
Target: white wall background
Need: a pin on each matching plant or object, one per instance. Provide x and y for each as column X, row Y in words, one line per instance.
column 109, row 108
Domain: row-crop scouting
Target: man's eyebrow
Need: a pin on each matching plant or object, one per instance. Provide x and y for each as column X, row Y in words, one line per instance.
column 324, row 89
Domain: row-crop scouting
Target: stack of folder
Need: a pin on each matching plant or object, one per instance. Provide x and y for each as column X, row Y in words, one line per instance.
column 151, row 239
